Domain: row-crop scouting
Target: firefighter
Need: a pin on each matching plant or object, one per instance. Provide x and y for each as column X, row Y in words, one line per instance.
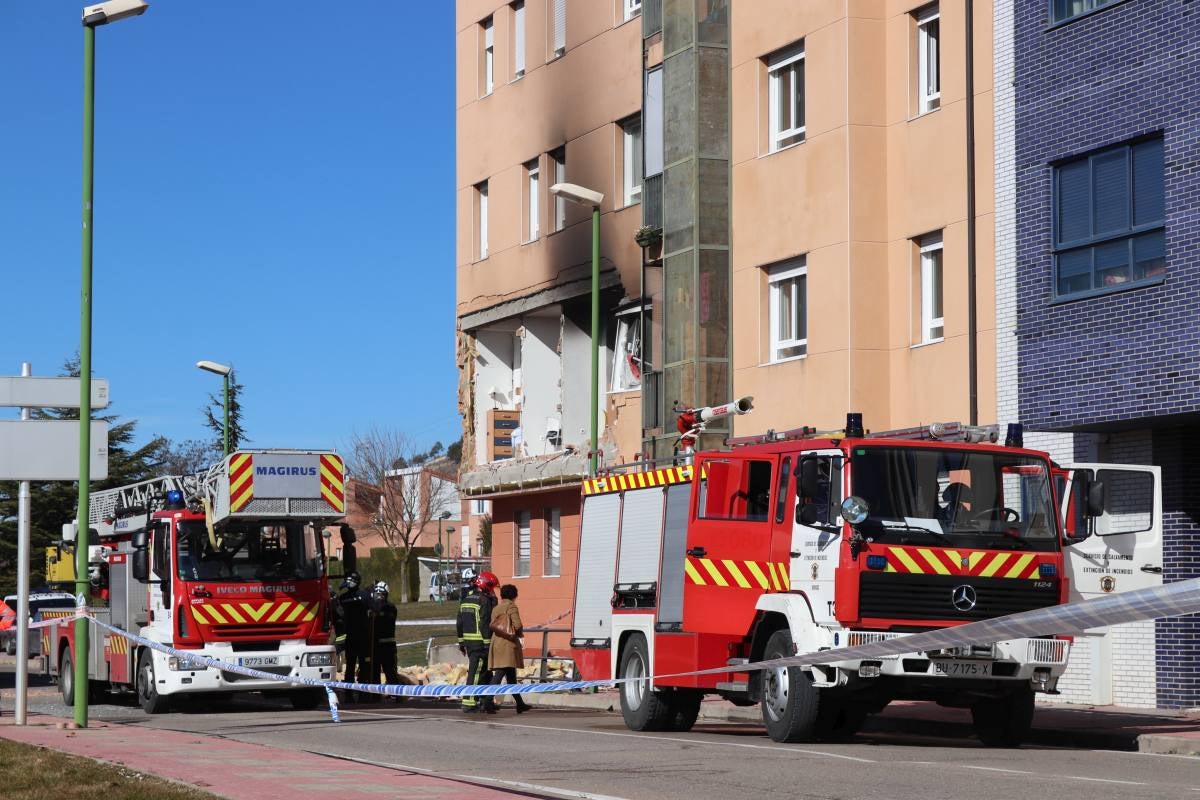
column 383, row 639
column 474, row 627
column 352, row 606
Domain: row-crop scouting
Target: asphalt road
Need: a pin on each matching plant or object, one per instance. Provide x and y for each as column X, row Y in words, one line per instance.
column 591, row 754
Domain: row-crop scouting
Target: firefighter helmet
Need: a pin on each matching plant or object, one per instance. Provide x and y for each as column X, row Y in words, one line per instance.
column 486, row 582
column 352, row 581
column 380, row 587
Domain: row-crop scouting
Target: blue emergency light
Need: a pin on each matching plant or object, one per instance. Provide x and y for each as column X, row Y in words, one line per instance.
column 174, row 497
column 877, row 562
column 1048, row 570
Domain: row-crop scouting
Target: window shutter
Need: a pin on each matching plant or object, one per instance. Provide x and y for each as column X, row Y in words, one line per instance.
column 1148, row 205
column 519, row 44
column 1110, row 179
column 560, row 25
column 1073, row 192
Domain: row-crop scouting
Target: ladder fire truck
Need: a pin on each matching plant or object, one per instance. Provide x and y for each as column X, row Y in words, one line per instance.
column 800, row 541
column 229, row 563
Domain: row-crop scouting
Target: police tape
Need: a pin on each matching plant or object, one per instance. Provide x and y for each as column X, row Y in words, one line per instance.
column 1171, row 600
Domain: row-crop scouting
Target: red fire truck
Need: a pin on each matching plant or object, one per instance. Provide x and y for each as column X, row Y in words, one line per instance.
column 229, row 563
column 800, row 541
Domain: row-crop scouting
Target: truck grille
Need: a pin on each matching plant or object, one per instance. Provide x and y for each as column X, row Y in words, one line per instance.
column 891, row 595
column 233, row 633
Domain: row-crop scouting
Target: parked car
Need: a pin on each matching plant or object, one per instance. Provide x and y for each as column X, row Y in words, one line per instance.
column 37, row 602
column 448, row 585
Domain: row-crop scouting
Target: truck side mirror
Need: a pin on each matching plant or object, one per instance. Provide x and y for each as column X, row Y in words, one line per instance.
column 139, row 564
column 1097, row 499
column 140, row 540
column 807, row 514
column 810, row 478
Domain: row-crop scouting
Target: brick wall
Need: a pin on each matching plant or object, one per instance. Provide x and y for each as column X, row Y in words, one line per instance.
column 1178, row 638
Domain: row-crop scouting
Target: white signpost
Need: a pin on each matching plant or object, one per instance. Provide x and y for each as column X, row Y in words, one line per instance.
column 43, row 450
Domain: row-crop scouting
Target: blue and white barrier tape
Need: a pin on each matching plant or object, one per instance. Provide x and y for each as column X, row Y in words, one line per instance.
column 1173, row 599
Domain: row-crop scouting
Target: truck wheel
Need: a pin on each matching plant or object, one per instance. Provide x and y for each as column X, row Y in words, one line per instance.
column 643, row 708
column 10, row 647
column 149, row 698
column 790, row 702
column 685, row 707
column 306, row 699
column 1004, row 721
column 66, row 678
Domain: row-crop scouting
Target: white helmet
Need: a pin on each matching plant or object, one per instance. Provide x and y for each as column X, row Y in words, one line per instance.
column 380, row 587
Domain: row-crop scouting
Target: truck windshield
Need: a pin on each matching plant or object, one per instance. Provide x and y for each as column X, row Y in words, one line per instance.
column 959, row 498
column 248, row 551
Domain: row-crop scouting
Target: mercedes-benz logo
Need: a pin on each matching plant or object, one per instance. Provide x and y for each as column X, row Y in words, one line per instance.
column 963, row 597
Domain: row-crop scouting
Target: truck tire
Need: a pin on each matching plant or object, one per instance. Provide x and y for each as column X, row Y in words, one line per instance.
column 685, row 707
column 1004, row 721
column 790, row 703
column 306, row 699
column 10, row 646
column 148, row 697
column 644, row 708
column 66, row 677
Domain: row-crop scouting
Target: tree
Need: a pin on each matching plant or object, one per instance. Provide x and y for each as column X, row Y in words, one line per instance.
column 188, row 457
column 398, row 502
column 454, row 451
column 55, row 502
column 485, row 535
column 214, row 416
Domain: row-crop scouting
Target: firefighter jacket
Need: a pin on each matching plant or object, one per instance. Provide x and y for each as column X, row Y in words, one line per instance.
column 474, row 623
column 383, row 622
column 352, row 607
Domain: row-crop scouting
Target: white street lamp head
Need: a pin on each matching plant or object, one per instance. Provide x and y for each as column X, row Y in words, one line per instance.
column 214, row 367
column 577, row 194
column 112, row 11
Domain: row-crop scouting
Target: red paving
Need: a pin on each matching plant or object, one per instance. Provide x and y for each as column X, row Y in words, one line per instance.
column 237, row 769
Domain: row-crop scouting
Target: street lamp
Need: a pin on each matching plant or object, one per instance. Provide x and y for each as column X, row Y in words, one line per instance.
column 589, row 197
column 440, row 551
column 223, row 371
column 93, row 17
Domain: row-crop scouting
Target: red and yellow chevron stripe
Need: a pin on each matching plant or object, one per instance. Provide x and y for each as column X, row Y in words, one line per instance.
column 333, row 474
column 261, row 612
column 767, row 576
column 116, row 645
column 972, row 563
column 637, row 480
column 241, row 480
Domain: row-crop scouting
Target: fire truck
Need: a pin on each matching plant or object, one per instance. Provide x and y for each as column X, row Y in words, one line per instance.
column 800, row 541
column 229, row 563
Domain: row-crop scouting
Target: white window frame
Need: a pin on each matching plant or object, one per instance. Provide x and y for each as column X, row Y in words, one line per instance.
column 776, row 277
column 929, row 61
column 632, row 8
column 628, row 334
column 480, row 507
column 558, row 158
column 779, row 66
column 518, row 18
column 532, row 199
column 631, row 183
column 552, row 549
column 933, row 329
column 521, row 541
column 481, row 192
column 489, row 56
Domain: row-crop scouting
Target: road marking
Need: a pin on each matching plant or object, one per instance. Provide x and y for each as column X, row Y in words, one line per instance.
column 1099, row 780
column 997, row 769
column 537, row 787
column 778, row 748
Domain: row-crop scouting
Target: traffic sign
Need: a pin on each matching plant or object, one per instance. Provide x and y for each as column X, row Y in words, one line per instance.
column 50, row 392
column 48, row 450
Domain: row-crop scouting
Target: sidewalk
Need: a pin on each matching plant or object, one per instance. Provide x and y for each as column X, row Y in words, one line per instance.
column 237, row 769
column 1090, row 727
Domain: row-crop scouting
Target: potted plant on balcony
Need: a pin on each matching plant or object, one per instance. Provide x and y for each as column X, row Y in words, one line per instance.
column 647, row 236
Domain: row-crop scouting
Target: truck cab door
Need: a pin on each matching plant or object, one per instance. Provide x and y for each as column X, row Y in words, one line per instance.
column 817, row 530
column 1122, row 550
column 161, row 542
column 735, row 550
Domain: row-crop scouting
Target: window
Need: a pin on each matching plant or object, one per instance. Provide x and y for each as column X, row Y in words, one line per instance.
column 558, row 28
column 1061, row 10
column 1109, row 213
column 489, row 57
column 481, row 193
column 627, row 352
column 518, row 44
column 632, row 8
column 558, row 158
column 736, row 489
column 653, row 109
column 521, row 523
column 631, row 138
column 531, row 200
column 929, row 82
column 480, row 507
column 788, row 287
column 553, row 549
column 785, row 78
column 932, row 324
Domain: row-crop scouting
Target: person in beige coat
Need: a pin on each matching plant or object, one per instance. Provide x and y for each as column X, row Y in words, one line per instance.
column 505, row 657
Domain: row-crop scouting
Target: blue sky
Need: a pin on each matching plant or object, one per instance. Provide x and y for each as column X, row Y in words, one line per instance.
column 274, row 188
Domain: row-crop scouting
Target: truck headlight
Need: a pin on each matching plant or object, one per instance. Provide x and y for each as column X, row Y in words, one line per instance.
column 318, row 660
column 177, row 664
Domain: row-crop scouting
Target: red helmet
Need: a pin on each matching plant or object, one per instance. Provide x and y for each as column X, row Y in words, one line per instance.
column 486, row 582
